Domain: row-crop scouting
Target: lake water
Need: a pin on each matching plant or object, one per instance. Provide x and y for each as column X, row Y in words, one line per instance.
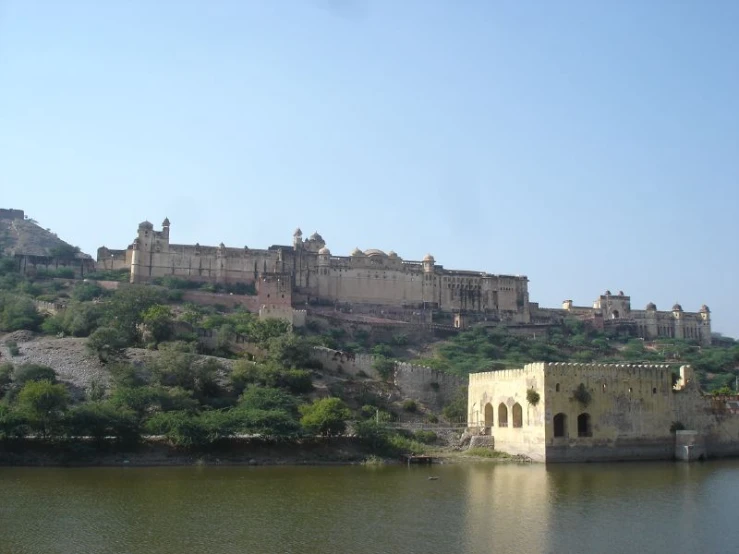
column 471, row 508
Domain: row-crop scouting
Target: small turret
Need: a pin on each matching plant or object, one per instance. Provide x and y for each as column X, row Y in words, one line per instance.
column 324, row 256
column 428, row 263
column 705, row 313
column 165, row 228
column 298, row 239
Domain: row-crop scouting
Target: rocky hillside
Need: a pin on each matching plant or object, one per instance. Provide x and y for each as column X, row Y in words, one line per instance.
column 24, row 236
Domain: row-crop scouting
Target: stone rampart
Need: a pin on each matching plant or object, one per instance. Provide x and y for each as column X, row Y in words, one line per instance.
column 346, row 362
column 49, row 307
column 429, row 386
column 11, row 214
column 204, row 298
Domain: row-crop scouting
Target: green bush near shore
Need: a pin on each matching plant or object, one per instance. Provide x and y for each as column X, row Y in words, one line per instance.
column 486, row 453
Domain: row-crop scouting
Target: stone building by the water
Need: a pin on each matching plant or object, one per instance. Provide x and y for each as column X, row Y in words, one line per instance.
column 568, row 412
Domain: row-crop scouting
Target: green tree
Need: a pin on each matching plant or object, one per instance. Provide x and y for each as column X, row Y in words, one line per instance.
column 64, row 251
column 79, row 319
column 18, row 312
column 126, row 307
column 276, row 424
column 183, row 429
column 6, row 377
column 382, row 350
column 290, row 351
column 102, row 421
column 12, row 424
column 140, row 400
column 372, row 433
column 43, row 404
column 159, row 322
column 173, row 368
column 87, row 291
column 326, row 416
column 32, row 372
column 108, row 343
column 269, row 375
column 384, row 367
column 456, row 410
column 267, row 398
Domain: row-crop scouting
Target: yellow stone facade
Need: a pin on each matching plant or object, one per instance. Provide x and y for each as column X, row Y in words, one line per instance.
column 588, row 412
column 367, row 277
column 382, row 283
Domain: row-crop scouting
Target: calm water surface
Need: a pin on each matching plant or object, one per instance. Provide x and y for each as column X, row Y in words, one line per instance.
column 629, row 508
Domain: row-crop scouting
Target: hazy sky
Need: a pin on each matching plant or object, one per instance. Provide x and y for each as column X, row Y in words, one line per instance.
column 587, row 145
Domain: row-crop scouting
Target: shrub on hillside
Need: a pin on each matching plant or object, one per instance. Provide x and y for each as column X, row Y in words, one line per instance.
column 17, row 312
column 43, row 405
column 108, row 343
column 78, row 319
column 410, row 406
column 266, row 398
column 384, row 367
column 425, row 437
column 326, row 416
column 102, row 421
column 33, row 372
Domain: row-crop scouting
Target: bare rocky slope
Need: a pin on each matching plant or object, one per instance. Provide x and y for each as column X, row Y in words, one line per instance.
column 74, row 365
column 23, row 236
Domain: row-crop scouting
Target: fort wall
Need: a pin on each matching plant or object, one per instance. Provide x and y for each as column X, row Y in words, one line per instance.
column 426, row 385
column 11, row 214
column 35, row 265
column 204, row 298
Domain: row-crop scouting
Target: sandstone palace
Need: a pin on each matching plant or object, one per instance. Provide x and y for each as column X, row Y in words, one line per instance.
column 385, row 285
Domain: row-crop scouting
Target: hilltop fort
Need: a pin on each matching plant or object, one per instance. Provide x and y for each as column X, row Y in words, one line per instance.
column 384, row 285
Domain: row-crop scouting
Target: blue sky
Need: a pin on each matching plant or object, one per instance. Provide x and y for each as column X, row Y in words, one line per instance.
column 588, row 145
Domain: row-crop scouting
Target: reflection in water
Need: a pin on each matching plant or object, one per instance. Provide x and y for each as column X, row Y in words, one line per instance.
column 653, row 507
column 507, row 508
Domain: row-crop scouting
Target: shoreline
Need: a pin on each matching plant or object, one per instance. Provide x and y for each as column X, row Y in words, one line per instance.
column 341, row 451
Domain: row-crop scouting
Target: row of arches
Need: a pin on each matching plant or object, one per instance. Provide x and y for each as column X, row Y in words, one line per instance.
column 584, row 428
column 516, row 413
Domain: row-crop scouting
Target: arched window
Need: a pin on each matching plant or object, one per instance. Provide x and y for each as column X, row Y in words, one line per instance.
column 560, row 425
column 517, row 415
column 556, row 387
column 583, row 426
column 488, row 415
column 502, row 415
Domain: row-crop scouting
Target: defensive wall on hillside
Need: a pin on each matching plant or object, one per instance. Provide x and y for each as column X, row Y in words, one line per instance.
column 11, row 214
column 37, row 265
column 591, row 412
column 432, row 387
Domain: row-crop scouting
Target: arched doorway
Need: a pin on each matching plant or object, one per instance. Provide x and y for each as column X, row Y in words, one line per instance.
column 583, row 426
column 615, row 314
column 560, row 425
column 502, row 415
column 488, row 415
column 517, row 415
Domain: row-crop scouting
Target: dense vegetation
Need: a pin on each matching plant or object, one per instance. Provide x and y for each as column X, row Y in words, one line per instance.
column 481, row 350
